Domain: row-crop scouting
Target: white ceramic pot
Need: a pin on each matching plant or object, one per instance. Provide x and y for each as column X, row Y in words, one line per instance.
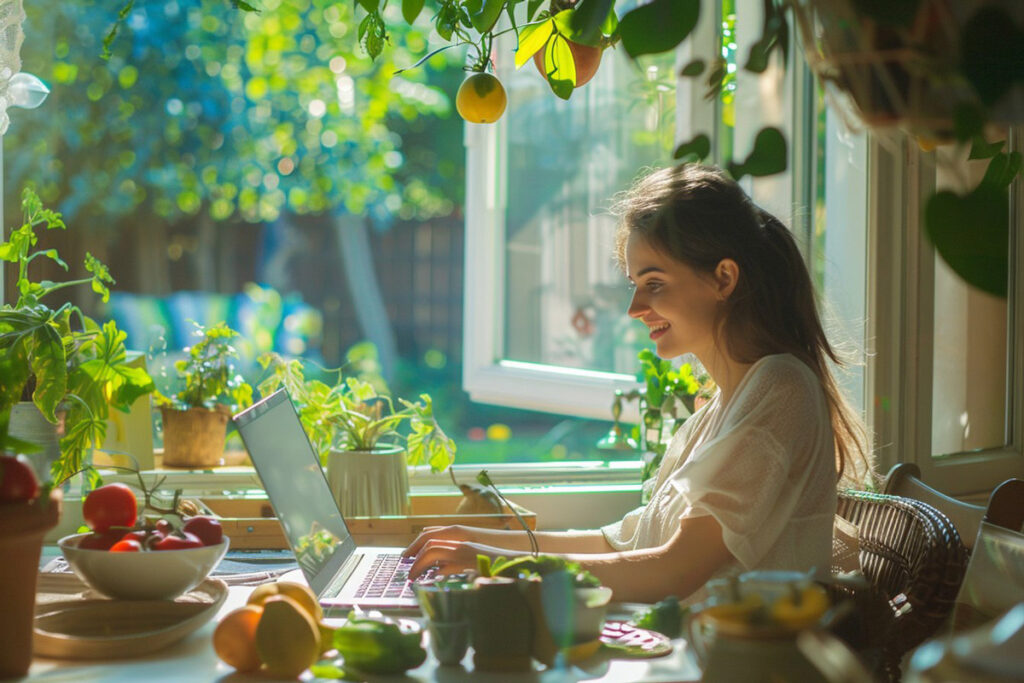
column 28, row 424
column 369, row 483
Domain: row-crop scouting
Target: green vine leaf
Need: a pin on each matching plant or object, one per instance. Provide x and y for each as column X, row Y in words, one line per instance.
column 697, row 149
column 532, row 40
column 767, row 158
column 411, row 9
column 588, row 20
column 658, row 26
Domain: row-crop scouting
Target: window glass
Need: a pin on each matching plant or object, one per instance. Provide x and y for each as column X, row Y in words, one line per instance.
column 565, row 298
column 970, row 378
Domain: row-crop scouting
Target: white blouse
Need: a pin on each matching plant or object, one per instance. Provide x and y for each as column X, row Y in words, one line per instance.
column 763, row 465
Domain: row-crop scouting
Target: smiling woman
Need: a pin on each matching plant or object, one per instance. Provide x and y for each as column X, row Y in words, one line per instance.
column 750, row 480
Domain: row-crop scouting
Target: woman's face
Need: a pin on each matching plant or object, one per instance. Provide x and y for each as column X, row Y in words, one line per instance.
column 677, row 304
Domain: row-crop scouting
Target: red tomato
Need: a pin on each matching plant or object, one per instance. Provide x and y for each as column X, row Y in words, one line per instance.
column 206, row 528
column 126, row 545
column 174, row 542
column 17, row 481
column 163, row 527
column 110, row 505
column 100, row 541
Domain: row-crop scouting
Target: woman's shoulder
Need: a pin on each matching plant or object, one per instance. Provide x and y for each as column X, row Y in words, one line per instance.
column 783, row 370
column 784, row 381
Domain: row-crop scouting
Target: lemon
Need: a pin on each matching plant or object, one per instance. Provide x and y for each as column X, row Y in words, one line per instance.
column 481, row 98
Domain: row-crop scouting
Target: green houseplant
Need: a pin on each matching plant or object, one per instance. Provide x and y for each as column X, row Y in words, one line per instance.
column 354, row 425
column 195, row 418
column 60, row 367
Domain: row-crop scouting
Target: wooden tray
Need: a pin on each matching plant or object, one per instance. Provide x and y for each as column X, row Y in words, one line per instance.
column 73, row 622
column 251, row 524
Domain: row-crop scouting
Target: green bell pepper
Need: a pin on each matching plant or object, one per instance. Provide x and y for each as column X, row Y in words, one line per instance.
column 379, row 645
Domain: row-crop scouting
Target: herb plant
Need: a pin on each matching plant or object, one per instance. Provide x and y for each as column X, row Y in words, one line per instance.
column 209, row 373
column 59, row 358
column 354, row 414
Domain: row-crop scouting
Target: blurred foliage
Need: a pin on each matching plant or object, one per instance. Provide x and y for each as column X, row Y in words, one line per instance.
column 202, row 109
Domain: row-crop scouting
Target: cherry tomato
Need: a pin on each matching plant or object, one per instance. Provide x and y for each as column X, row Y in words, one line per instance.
column 126, row 545
column 175, row 542
column 110, row 505
column 164, row 527
column 206, row 528
column 100, row 541
column 18, row 482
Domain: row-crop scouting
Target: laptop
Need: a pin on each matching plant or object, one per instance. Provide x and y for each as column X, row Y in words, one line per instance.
column 340, row 573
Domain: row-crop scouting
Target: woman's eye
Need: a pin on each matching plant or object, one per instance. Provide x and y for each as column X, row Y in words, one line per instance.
column 653, row 285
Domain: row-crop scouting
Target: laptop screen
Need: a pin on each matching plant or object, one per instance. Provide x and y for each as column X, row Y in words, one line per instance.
column 295, row 484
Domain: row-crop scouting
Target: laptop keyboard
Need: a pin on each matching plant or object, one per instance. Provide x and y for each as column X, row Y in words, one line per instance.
column 388, row 577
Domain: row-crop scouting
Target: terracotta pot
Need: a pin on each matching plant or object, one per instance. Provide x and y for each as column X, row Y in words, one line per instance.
column 369, row 483
column 22, row 528
column 195, row 437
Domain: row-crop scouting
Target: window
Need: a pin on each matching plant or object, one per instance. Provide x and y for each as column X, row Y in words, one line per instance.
column 546, row 325
column 946, row 376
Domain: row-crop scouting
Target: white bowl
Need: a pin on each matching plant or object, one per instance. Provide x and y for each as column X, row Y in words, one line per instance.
column 144, row 575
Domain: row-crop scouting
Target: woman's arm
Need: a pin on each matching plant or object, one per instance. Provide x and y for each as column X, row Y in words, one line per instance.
column 679, row 567
column 552, row 542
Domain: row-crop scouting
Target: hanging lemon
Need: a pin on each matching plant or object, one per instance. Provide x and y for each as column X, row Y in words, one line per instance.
column 481, row 98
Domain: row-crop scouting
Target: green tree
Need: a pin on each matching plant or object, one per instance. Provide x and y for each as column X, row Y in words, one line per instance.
column 205, row 111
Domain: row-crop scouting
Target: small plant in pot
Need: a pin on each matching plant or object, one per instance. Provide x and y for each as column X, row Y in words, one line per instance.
column 355, row 427
column 62, row 371
column 195, row 418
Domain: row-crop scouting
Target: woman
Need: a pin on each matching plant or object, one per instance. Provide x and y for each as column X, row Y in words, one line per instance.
column 749, row 482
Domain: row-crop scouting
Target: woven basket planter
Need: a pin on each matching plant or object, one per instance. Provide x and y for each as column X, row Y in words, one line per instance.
column 909, row 76
column 195, row 437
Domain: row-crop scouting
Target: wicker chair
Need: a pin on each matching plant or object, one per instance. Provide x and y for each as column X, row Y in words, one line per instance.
column 1005, row 505
column 914, row 560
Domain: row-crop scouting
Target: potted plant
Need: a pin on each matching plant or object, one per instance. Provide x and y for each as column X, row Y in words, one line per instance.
column 195, row 419
column 62, row 371
column 354, row 426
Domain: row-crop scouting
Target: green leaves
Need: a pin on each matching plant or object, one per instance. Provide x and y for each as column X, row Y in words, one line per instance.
column 590, row 20
column 559, row 66
column 532, row 39
column 411, row 9
column 209, row 371
column 696, row 149
column 658, row 26
column 372, row 33
column 774, row 34
column 767, row 157
column 483, row 14
column 971, row 231
column 991, row 54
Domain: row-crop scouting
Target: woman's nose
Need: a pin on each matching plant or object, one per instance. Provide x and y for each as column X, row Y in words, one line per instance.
column 637, row 305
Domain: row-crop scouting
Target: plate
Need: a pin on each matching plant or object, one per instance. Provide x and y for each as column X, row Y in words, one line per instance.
column 85, row 626
column 628, row 641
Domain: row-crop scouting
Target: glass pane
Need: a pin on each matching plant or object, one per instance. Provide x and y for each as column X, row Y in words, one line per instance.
column 565, row 298
column 970, row 375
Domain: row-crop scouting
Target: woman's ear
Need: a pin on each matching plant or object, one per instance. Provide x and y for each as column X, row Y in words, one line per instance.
column 727, row 274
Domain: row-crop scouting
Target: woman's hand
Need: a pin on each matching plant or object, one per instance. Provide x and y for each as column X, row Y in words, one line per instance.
column 431, row 533
column 450, row 556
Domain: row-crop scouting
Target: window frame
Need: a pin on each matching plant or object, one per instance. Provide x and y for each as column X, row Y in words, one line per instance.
column 900, row 322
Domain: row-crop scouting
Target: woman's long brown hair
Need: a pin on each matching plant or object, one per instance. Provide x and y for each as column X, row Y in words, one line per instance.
column 699, row 216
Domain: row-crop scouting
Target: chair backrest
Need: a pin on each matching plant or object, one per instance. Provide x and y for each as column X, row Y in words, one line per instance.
column 1006, row 505
column 904, row 479
column 913, row 557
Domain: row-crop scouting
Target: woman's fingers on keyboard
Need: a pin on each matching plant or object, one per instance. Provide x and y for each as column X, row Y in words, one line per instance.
column 448, row 557
column 430, row 533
